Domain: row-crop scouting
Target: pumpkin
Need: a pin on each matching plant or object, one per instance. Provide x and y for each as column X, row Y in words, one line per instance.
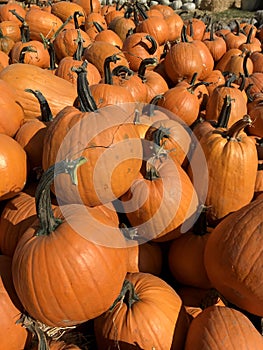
column 252, row 44
column 183, row 60
column 257, row 59
column 215, row 44
column 11, row 30
column 145, row 300
column 155, row 26
column 175, row 25
column 109, row 143
column 121, row 24
column 64, row 9
column 89, row 6
column 172, row 135
column 195, row 27
column 235, row 38
column 98, row 51
column 220, row 327
column 13, row 168
column 6, row 43
column 58, row 92
column 233, row 258
column 215, row 101
column 160, row 199
column 107, row 35
column 31, row 134
column 7, row 12
column 138, row 46
column 99, row 243
column 12, row 335
column 18, row 214
column 11, row 113
column 230, row 148
column 42, row 22
column 186, row 255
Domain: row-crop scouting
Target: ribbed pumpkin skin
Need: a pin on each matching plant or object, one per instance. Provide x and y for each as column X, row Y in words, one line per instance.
column 64, row 279
column 232, row 169
column 222, row 328
column 233, row 258
column 111, row 145
column 148, row 324
column 12, row 336
column 58, row 92
column 11, row 114
column 18, row 214
column 13, row 167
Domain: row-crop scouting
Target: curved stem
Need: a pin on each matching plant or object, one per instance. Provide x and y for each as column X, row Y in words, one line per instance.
column 248, row 92
column 193, row 80
column 230, row 80
column 150, row 108
column 47, row 221
column 245, row 64
column 143, row 65
column 151, row 172
column 107, row 72
column 23, row 52
column 249, row 36
column 160, row 134
column 212, row 37
column 127, row 295
column 234, row 131
column 76, row 15
column 25, row 33
column 238, row 27
column 52, row 55
column 243, row 82
column 91, row 6
column 61, row 28
column 46, row 114
column 86, row 100
column 192, row 88
column 122, row 70
column 151, row 50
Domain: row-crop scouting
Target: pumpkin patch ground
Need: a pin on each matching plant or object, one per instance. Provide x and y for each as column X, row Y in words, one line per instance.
column 131, row 191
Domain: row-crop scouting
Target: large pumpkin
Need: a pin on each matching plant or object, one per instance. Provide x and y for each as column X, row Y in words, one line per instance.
column 145, row 319
column 233, row 258
column 69, row 255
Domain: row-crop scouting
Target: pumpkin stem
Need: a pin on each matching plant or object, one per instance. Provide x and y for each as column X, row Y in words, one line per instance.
column 122, row 71
column 249, row 36
column 233, row 132
column 20, row 18
column 46, row 114
column 212, row 36
column 191, row 28
column 98, row 26
column 127, row 295
column 201, row 224
column 141, row 10
column 107, row 72
column 238, row 27
column 192, row 88
column 184, row 35
column 245, row 64
column 230, row 80
column 129, row 232
column 193, row 80
column 24, row 51
column 61, row 28
column 47, row 222
column 78, row 53
column 224, row 115
column 151, row 107
column 86, row 100
column 151, row 173
column 76, row 15
column 151, row 50
column 25, row 33
column 143, row 65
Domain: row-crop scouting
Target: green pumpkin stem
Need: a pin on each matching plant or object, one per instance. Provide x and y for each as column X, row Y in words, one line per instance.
column 76, row 15
column 127, row 295
column 249, row 36
column 141, row 10
column 238, row 27
column 61, row 28
column 23, row 52
column 107, row 71
column 52, row 55
column 20, row 18
column 98, row 27
column 150, row 108
column 121, row 70
column 86, row 100
column 47, row 221
column 151, row 50
column 143, row 66
column 46, row 114
column 224, row 115
column 233, row 132
column 78, row 53
column 232, row 77
column 25, row 33
column 184, row 35
column 246, row 73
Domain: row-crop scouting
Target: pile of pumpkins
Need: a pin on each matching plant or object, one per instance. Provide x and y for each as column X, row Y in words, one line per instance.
column 131, row 184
